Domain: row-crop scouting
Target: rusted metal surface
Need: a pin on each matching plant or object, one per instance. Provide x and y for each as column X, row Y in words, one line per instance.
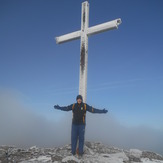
column 83, row 15
column 82, row 58
column 83, row 34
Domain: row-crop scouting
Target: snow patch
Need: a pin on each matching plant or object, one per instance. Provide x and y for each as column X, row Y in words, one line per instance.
column 147, row 160
column 42, row 159
column 70, row 158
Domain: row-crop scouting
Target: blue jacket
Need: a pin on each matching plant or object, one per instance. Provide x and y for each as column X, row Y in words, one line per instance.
column 79, row 112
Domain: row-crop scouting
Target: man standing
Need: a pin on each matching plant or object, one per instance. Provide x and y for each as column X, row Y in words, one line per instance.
column 78, row 122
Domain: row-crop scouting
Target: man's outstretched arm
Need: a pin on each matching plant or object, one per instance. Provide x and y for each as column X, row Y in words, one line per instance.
column 63, row 108
column 94, row 110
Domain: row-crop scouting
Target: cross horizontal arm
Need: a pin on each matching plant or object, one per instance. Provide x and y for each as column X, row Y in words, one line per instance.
column 103, row 27
column 68, row 37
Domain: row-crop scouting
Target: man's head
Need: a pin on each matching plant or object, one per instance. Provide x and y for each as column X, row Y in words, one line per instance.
column 79, row 99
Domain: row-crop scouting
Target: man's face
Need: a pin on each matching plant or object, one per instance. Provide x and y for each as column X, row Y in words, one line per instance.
column 79, row 101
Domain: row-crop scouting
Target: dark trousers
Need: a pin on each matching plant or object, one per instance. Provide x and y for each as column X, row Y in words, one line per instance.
column 77, row 132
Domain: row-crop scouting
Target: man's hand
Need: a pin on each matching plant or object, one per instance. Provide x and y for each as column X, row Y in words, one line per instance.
column 105, row 111
column 56, row 106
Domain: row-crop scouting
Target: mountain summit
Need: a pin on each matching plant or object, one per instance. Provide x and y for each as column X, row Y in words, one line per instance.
column 93, row 153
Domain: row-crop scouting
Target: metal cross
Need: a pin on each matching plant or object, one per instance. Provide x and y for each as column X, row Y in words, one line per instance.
column 83, row 35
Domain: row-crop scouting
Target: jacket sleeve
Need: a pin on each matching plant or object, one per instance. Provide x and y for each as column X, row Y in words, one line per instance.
column 66, row 108
column 93, row 110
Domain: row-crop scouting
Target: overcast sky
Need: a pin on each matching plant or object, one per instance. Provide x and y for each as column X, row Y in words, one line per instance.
column 125, row 72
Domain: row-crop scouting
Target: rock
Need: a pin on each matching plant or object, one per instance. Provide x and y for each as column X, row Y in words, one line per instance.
column 151, row 155
column 93, row 153
column 136, row 153
column 56, row 158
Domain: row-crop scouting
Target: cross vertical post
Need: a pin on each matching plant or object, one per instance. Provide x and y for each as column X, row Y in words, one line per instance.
column 84, row 51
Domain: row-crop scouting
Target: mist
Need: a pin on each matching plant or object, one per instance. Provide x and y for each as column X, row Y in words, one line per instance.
column 22, row 127
column 109, row 131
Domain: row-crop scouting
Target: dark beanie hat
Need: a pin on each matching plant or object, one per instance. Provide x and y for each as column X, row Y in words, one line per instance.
column 79, row 97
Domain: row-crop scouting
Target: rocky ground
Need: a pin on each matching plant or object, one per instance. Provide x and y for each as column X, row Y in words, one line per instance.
column 94, row 153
